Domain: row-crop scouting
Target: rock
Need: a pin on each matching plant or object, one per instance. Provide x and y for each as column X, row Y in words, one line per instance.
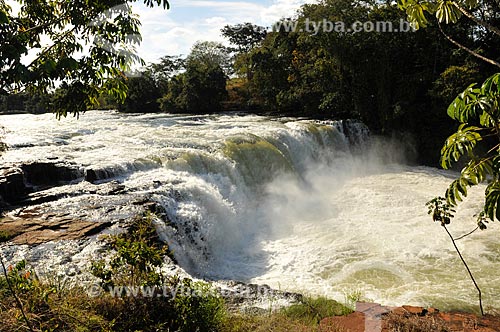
column 12, row 184
column 432, row 311
column 415, row 310
column 17, row 181
column 354, row 322
column 34, row 231
column 96, row 175
column 371, row 317
column 50, row 173
column 93, row 175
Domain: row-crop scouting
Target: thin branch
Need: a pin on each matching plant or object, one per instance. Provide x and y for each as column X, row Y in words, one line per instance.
column 468, row 270
column 468, row 50
column 44, row 25
column 461, row 237
column 493, row 148
column 18, row 301
column 56, row 42
column 482, row 23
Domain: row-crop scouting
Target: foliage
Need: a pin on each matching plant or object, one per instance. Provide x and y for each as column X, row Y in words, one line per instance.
column 210, row 54
column 202, row 87
column 244, row 36
column 175, row 305
column 198, row 309
column 482, row 16
column 5, row 235
column 276, row 322
column 477, row 140
column 448, row 11
column 313, row 310
column 478, row 144
column 138, row 256
column 168, row 67
column 24, row 103
column 52, row 305
column 69, row 27
column 143, row 93
column 453, row 80
column 48, row 307
column 442, row 212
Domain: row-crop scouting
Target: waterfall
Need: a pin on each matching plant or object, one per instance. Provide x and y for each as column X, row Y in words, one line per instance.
column 320, row 207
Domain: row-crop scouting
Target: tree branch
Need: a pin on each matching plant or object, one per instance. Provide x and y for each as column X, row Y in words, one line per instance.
column 482, row 23
column 468, row 50
column 461, row 237
column 56, row 42
column 18, row 301
column 467, row 267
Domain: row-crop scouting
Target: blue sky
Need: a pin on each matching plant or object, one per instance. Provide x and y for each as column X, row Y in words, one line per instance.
column 174, row 31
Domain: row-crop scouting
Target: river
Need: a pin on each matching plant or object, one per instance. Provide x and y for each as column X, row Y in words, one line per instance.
column 320, row 208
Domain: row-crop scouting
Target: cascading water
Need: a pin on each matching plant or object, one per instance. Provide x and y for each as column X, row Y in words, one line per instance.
column 284, row 202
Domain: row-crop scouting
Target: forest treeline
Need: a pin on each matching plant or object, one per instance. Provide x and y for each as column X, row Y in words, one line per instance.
column 395, row 82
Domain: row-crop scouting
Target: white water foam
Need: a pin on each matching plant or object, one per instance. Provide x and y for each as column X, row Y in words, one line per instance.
column 280, row 201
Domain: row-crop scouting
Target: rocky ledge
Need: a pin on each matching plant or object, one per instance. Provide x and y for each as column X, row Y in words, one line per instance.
column 372, row 317
column 42, row 229
column 17, row 181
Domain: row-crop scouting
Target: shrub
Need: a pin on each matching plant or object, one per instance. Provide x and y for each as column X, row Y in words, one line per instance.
column 190, row 307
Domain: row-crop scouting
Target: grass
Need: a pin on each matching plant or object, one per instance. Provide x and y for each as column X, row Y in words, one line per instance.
column 312, row 310
column 133, row 260
column 302, row 317
column 6, row 236
column 66, row 308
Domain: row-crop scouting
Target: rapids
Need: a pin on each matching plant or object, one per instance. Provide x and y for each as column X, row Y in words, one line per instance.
column 315, row 207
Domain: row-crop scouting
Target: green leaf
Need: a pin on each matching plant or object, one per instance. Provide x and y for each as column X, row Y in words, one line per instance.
column 448, row 12
column 463, row 108
column 49, row 65
column 4, row 18
column 458, row 144
column 68, row 64
column 492, row 204
column 491, row 86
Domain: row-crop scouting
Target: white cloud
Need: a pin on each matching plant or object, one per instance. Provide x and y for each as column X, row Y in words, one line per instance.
column 282, row 8
column 174, row 31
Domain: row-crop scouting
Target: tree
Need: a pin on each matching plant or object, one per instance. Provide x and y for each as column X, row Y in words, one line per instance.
column 245, row 37
column 477, row 109
column 201, row 88
column 210, row 54
column 204, row 89
column 168, row 67
column 142, row 96
column 105, row 31
column 450, row 11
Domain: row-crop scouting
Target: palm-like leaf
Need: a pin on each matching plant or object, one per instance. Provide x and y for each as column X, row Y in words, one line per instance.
column 416, row 11
column 465, row 107
column 448, row 12
column 492, row 203
column 475, row 172
column 458, row 144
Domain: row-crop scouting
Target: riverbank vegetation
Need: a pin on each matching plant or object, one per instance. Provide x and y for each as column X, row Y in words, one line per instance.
column 394, row 82
column 49, row 303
